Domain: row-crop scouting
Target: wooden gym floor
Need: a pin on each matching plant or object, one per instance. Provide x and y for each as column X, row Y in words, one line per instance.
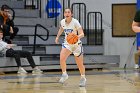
column 105, row 81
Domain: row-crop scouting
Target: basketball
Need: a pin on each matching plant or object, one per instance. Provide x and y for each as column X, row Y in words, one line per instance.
column 72, row 38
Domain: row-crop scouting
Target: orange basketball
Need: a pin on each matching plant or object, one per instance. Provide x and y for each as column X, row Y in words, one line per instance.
column 72, row 38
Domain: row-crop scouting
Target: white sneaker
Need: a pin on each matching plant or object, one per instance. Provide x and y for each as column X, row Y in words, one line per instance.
column 36, row 71
column 82, row 82
column 21, row 71
column 63, row 78
column 136, row 66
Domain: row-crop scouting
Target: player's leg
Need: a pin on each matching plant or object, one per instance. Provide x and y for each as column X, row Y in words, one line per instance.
column 137, row 55
column 79, row 62
column 78, row 53
column 63, row 57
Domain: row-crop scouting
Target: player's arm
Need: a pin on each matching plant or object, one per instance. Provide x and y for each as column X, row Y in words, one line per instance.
column 80, row 33
column 79, row 29
column 136, row 26
column 58, row 35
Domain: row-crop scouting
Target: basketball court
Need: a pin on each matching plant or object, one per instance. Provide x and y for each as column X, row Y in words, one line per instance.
column 106, row 81
column 109, row 46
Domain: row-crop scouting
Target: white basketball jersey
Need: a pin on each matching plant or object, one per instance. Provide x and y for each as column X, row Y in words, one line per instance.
column 73, row 26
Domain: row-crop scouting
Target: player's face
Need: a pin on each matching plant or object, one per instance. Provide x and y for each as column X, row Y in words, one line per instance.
column 1, row 35
column 67, row 13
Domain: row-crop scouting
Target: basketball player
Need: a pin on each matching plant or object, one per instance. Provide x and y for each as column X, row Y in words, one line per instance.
column 136, row 28
column 71, row 25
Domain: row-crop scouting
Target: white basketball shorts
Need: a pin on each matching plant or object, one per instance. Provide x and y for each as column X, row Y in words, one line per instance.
column 76, row 49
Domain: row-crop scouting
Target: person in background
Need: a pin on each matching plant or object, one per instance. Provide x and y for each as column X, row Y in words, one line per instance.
column 136, row 29
column 17, row 54
column 7, row 24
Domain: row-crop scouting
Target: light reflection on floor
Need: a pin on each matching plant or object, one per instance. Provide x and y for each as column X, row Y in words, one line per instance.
column 106, row 81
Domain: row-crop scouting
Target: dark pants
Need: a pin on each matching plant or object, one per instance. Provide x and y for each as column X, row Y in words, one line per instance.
column 6, row 32
column 17, row 54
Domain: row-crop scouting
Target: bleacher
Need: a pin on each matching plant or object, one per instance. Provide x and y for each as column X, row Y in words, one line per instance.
column 47, row 52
